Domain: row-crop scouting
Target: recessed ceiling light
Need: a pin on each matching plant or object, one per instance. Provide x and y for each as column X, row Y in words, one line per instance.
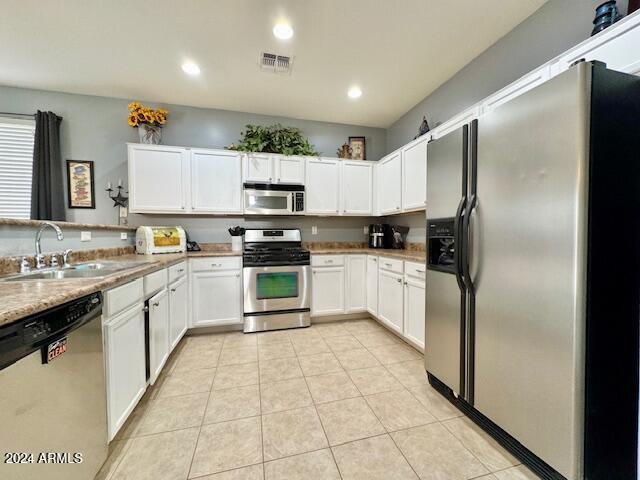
column 283, row 31
column 190, row 68
column 354, row 92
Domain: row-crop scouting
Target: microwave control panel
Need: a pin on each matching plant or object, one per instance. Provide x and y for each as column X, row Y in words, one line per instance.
column 299, row 201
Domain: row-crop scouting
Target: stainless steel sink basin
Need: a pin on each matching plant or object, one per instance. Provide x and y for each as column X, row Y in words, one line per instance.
column 80, row 270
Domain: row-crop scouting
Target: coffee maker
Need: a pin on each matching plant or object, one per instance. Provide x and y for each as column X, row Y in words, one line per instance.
column 377, row 235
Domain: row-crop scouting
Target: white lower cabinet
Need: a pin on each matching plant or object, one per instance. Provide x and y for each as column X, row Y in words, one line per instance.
column 414, row 307
column 356, row 285
column 327, row 291
column 217, row 297
column 390, row 299
column 158, row 333
column 372, row 285
column 124, row 364
column 178, row 310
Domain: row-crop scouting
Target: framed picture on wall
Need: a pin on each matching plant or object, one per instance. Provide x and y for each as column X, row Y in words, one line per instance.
column 80, row 190
column 358, row 148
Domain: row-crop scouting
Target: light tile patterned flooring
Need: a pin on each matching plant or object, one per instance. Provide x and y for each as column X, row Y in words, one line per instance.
column 343, row 400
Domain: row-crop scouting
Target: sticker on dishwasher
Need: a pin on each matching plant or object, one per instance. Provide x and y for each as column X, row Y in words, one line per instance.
column 54, row 350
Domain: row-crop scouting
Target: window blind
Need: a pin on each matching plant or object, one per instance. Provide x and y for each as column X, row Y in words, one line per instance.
column 16, row 166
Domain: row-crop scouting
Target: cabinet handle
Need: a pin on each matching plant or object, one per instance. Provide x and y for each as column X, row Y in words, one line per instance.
column 399, row 280
column 270, row 179
column 238, row 275
column 156, row 304
column 420, row 271
column 397, row 208
column 389, row 265
column 216, row 264
column 328, row 261
column 337, row 211
column 173, row 290
column 181, row 270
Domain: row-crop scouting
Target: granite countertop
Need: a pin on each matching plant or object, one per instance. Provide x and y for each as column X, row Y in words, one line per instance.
column 20, row 299
column 409, row 255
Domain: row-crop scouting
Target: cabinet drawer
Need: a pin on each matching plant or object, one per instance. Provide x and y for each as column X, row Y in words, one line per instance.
column 155, row 282
column 177, row 271
column 120, row 298
column 327, row 260
column 391, row 264
column 215, row 263
column 414, row 269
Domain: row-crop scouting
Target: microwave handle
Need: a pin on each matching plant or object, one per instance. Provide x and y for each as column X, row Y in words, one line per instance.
column 290, row 202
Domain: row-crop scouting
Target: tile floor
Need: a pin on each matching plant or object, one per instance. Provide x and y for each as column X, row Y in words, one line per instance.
column 344, row 400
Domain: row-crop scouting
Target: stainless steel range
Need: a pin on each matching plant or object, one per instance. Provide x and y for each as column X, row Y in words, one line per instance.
column 276, row 280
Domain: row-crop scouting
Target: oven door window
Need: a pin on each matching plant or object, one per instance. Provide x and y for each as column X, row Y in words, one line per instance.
column 276, row 285
column 268, row 202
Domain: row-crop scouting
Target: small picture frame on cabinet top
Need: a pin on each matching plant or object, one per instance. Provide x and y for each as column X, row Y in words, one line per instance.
column 358, row 148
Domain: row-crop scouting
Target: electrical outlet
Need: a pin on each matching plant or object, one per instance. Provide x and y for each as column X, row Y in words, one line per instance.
column 365, row 230
column 314, row 230
column 123, row 235
column 85, row 236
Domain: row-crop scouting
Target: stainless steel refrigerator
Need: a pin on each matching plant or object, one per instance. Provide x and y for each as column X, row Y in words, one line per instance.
column 533, row 273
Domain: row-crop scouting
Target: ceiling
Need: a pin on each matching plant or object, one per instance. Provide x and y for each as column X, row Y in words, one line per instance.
column 397, row 51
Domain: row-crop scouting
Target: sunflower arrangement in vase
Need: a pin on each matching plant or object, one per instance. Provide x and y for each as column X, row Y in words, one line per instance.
column 148, row 121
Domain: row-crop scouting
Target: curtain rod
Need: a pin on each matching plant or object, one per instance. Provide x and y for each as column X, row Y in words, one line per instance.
column 18, row 114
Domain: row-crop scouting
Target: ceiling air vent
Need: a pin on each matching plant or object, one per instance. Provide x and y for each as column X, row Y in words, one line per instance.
column 270, row 62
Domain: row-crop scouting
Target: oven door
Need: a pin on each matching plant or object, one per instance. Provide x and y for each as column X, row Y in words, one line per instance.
column 268, row 202
column 270, row 289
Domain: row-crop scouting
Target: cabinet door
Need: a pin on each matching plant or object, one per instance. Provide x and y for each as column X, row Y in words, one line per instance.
column 179, row 312
column 414, row 175
column 390, row 302
column 158, row 179
column 125, row 365
column 258, row 167
column 390, row 184
column 217, row 298
column 356, row 292
column 323, row 186
column 158, row 333
column 414, row 297
column 216, row 181
column 517, row 88
column 617, row 46
column 327, row 286
column 357, row 188
column 290, row 169
column 372, row 285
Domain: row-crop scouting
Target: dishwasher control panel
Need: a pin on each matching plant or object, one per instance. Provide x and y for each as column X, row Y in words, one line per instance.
column 38, row 331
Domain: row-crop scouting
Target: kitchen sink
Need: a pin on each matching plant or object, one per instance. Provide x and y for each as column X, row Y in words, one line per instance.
column 80, row 270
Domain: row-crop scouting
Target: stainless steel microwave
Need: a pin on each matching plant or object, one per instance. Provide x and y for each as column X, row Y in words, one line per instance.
column 273, row 199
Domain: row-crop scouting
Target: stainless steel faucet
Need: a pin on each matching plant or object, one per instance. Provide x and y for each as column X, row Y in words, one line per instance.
column 39, row 256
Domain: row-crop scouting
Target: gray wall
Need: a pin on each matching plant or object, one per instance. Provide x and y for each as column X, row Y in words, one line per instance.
column 557, row 26
column 95, row 128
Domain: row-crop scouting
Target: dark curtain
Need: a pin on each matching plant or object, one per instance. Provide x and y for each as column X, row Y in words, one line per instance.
column 47, row 194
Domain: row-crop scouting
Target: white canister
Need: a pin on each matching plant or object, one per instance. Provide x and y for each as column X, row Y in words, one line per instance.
column 236, row 243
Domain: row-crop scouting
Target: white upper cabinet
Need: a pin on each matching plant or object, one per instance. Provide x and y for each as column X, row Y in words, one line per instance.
column 216, row 181
column 617, row 46
column 357, row 187
column 258, row 167
column 390, row 184
column 289, row 169
column 271, row 168
column 414, row 175
column 517, row 88
column 456, row 122
column 322, row 186
column 158, row 178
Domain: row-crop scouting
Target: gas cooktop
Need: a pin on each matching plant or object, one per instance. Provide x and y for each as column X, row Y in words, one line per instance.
column 274, row 247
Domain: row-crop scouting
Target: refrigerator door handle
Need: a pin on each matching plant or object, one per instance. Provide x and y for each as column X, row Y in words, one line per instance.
column 458, row 241
column 466, row 234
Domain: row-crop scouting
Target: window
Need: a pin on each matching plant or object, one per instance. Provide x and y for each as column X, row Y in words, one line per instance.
column 16, row 165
